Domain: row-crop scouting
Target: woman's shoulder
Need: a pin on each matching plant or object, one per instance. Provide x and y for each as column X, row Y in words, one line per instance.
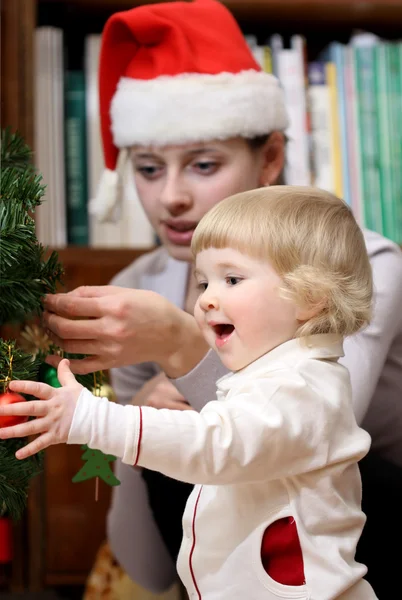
column 150, row 264
column 377, row 244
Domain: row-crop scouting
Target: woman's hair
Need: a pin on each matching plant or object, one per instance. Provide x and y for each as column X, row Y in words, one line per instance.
column 311, row 239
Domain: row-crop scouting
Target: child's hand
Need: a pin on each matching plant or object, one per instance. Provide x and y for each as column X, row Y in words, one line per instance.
column 54, row 412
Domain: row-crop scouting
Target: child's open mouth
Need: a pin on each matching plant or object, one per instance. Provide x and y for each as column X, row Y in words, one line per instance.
column 223, row 331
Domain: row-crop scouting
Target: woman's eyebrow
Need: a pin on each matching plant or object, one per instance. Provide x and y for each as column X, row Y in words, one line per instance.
column 197, row 151
column 145, row 155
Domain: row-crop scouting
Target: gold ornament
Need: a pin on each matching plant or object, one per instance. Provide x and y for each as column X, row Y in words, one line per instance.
column 105, row 391
column 34, row 340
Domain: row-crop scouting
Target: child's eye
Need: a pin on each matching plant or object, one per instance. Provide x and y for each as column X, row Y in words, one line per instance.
column 202, row 286
column 233, row 280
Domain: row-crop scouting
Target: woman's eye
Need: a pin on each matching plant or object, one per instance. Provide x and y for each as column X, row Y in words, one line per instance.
column 206, row 167
column 233, row 280
column 149, row 171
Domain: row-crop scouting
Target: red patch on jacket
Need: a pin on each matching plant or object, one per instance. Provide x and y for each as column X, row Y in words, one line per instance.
column 281, row 553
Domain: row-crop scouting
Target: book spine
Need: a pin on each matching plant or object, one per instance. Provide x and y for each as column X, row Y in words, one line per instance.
column 395, row 139
column 320, row 112
column 291, row 76
column 76, row 159
column 330, row 70
column 367, row 114
column 382, row 80
column 353, row 140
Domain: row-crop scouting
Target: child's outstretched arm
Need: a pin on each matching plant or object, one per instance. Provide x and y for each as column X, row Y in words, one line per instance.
column 257, row 434
column 53, row 411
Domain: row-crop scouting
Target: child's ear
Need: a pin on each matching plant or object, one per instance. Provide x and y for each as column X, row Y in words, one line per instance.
column 305, row 313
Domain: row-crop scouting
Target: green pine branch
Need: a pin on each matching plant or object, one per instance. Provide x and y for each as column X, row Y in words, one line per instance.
column 26, row 275
column 15, row 476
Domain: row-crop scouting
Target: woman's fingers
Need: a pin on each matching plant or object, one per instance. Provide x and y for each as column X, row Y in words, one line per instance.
column 31, row 388
column 84, row 301
column 40, row 443
column 73, row 305
column 88, row 347
column 81, row 366
column 64, row 328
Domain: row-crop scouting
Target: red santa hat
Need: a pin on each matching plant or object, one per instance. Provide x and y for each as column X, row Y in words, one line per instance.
column 173, row 73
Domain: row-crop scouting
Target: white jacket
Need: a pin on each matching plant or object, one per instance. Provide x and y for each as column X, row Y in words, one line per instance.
column 280, row 440
column 373, row 357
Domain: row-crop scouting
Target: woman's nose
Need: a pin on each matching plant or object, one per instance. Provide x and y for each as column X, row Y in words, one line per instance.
column 175, row 197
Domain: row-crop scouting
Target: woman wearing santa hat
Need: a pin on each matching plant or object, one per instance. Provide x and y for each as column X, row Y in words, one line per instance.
column 185, row 105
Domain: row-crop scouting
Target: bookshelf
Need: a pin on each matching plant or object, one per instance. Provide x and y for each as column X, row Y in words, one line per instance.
column 64, row 526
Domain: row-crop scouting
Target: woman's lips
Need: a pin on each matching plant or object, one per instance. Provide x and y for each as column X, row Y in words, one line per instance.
column 180, row 233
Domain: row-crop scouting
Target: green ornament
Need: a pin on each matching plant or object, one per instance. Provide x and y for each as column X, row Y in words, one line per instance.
column 97, row 465
column 48, row 374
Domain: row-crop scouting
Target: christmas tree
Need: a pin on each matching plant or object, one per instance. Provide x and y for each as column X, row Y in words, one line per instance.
column 26, row 275
column 28, row 272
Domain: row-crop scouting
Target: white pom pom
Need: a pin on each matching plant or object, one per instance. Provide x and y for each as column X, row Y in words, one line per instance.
column 105, row 204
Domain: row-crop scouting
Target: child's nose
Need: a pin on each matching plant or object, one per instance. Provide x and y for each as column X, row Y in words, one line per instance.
column 209, row 300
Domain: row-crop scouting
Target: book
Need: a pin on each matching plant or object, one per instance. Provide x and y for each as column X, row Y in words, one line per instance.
column 76, row 159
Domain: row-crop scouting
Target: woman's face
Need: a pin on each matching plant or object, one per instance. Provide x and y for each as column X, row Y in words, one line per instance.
column 177, row 185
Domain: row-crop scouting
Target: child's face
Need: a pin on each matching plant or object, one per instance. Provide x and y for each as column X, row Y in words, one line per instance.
column 240, row 311
column 177, row 185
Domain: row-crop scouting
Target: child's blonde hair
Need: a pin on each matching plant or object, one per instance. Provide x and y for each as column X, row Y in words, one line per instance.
column 312, row 240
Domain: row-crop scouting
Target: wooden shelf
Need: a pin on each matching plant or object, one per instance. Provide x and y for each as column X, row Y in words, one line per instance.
column 64, row 525
column 359, row 13
column 94, row 266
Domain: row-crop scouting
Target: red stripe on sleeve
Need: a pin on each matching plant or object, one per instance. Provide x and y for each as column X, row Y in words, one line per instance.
column 139, row 439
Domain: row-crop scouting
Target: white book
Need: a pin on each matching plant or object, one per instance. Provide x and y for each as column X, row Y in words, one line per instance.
column 58, row 198
column 320, row 111
column 291, row 76
column 353, row 137
column 49, row 135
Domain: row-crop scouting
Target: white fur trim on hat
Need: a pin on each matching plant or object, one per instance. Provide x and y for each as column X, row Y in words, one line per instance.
column 195, row 107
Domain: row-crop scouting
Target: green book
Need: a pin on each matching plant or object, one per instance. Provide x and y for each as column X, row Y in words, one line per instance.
column 76, row 159
column 395, row 111
column 383, row 91
column 367, row 129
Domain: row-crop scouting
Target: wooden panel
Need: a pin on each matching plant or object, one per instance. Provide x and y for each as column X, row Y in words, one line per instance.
column 74, row 521
column 93, row 266
column 18, row 18
column 332, row 12
column 17, row 21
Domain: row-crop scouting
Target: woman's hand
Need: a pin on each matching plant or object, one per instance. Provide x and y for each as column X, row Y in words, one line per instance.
column 159, row 392
column 119, row 326
column 54, row 411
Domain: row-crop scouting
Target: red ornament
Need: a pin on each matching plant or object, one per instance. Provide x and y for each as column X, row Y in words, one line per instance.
column 6, row 540
column 6, row 399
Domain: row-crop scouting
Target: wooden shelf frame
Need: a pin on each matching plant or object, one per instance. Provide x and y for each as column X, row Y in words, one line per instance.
column 361, row 13
column 86, row 266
